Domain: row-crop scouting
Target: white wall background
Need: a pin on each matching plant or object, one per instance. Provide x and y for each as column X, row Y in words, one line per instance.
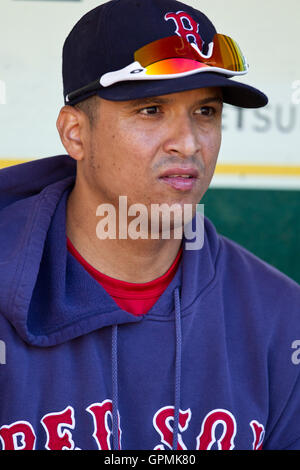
column 31, row 39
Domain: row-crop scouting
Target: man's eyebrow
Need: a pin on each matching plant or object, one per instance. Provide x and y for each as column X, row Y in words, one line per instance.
column 146, row 101
column 156, row 100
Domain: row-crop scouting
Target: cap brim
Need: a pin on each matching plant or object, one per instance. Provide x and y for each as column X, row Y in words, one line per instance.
column 235, row 93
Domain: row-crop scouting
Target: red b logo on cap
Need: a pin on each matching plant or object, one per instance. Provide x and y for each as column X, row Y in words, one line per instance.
column 186, row 27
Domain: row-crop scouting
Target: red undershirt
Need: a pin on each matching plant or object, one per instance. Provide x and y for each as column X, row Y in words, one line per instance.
column 134, row 298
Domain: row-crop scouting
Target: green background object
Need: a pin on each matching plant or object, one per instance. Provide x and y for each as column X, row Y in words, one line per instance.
column 266, row 222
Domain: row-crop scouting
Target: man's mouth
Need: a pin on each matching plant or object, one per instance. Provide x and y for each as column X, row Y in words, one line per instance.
column 181, row 179
column 179, row 176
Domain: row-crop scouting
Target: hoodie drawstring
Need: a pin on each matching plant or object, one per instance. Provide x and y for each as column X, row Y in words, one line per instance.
column 177, row 368
column 177, row 385
column 114, row 353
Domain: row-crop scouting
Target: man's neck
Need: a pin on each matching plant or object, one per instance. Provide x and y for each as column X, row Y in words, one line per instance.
column 136, row 261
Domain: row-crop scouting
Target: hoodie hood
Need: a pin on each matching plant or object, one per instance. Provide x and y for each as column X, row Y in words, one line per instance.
column 44, row 288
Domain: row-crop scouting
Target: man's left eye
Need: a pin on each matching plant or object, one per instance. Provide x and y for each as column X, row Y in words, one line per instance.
column 206, row 111
column 149, row 110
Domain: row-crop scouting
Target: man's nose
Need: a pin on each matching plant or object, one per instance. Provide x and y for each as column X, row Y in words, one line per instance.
column 182, row 137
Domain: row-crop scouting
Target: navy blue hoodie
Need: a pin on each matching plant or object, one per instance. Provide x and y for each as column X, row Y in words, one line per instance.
column 213, row 365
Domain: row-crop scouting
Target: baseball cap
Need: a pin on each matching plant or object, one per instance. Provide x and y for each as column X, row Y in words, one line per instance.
column 130, row 49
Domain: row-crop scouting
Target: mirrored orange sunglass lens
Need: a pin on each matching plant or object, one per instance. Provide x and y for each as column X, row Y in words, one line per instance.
column 171, row 66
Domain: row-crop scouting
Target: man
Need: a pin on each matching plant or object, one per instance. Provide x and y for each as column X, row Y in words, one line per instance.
column 130, row 339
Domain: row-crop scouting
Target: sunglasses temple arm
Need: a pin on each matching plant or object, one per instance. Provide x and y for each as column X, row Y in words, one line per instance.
column 90, row 87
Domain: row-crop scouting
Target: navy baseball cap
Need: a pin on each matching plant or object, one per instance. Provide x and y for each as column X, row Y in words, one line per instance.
column 130, row 49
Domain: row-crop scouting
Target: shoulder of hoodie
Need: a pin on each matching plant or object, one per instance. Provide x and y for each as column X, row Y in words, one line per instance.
column 256, row 281
column 253, row 267
column 30, row 178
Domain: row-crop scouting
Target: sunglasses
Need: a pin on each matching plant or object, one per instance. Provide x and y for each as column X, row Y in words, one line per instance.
column 174, row 57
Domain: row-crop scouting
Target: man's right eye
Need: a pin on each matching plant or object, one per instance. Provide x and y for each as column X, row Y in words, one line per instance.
column 149, row 110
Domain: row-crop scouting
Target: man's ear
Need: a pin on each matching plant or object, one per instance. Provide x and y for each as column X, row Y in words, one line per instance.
column 72, row 125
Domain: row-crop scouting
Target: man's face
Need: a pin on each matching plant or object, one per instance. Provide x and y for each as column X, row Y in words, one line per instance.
column 155, row 150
